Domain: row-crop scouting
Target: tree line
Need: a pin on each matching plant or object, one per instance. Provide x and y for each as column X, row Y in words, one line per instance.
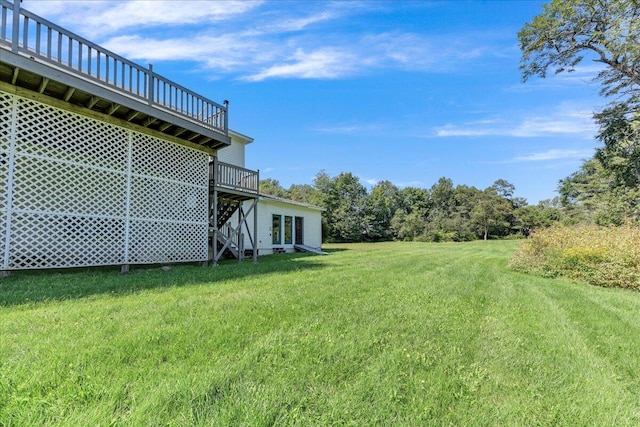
column 443, row 212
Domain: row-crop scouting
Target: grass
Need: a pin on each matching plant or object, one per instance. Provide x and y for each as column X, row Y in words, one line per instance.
column 382, row 334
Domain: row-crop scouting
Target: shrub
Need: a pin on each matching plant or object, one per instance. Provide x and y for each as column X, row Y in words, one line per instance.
column 603, row 256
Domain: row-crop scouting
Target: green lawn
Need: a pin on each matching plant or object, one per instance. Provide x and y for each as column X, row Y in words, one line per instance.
column 394, row 334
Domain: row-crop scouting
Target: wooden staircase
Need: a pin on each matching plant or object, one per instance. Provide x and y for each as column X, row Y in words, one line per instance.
column 225, row 210
column 229, row 241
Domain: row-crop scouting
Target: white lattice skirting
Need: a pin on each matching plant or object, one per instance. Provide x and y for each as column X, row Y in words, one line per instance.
column 75, row 192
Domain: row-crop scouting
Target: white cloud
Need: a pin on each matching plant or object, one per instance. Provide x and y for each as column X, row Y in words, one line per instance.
column 257, row 40
column 298, row 57
column 555, row 154
column 565, row 119
column 212, row 52
column 411, row 51
column 300, row 23
column 351, row 129
column 583, row 75
column 466, row 130
column 324, row 63
column 104, row 17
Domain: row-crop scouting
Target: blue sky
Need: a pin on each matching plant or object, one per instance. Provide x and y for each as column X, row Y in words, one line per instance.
column 401, row 91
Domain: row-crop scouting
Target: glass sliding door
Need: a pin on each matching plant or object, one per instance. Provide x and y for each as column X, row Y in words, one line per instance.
column 288, row 230
column 299, row 230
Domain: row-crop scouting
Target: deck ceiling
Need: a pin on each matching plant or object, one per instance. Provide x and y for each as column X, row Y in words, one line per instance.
column 41, row 78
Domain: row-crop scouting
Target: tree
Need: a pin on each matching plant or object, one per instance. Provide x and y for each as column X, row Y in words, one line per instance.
column 322, row 184
column 304, row 193
column 620, row 153
column 407, row 226
column 382, row 203
column 579, row 191
column 272, row 187
column 414, row 199
column 410, row 219
column 532, row 217
column 504, row 188
column 344, row 199
column 608, row 31
column 442, row 198
column 466, row 199
column 591, row 195
column 491, row 213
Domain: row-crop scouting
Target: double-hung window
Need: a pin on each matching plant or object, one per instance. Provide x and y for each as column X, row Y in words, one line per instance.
column 276, row 230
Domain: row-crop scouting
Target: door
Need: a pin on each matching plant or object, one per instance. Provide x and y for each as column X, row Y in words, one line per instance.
column 299, row 230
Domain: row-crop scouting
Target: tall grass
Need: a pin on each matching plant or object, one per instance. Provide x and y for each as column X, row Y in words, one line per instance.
column 399, row 334
column 603, row 256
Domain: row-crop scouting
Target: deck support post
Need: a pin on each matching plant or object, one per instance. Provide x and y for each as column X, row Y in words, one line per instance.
column 214, row 239
column 240, row 239
column 255, row 220
column 124, row 269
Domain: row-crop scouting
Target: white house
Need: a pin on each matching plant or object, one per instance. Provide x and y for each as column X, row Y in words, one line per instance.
column 281, row 224
column 285, row 225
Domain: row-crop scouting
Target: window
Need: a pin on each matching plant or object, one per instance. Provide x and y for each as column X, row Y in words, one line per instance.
column 288, row 230
column 276, row 239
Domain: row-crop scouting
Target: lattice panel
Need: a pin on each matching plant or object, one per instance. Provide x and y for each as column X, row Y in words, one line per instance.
column 163, row 159
column 70, row 179
column 180, row 242
column 168, row 200
column 68, row 188
column 54, row 133
column 6, row 103
column 49, row 241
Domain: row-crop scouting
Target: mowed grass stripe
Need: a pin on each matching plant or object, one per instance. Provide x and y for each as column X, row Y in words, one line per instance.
column 551, row 362
column 379, row 334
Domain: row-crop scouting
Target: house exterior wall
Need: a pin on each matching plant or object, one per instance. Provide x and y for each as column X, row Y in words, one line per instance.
column 234, row 154
column 76, row 191
column 267, row 208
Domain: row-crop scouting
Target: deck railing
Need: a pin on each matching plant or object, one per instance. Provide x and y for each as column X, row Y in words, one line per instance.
column 26, row 33
column 233, row 177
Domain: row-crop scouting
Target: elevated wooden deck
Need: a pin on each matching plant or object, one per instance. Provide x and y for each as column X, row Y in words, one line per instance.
column 41, row 59
column 233, row 182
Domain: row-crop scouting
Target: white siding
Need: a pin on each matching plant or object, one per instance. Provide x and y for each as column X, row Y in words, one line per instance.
column 267, row 208
column 234, row 154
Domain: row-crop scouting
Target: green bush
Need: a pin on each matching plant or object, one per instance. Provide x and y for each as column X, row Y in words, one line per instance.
column 603, row 256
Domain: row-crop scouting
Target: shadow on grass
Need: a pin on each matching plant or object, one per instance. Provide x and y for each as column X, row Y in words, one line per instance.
column 332, row 250
column 28, row 287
